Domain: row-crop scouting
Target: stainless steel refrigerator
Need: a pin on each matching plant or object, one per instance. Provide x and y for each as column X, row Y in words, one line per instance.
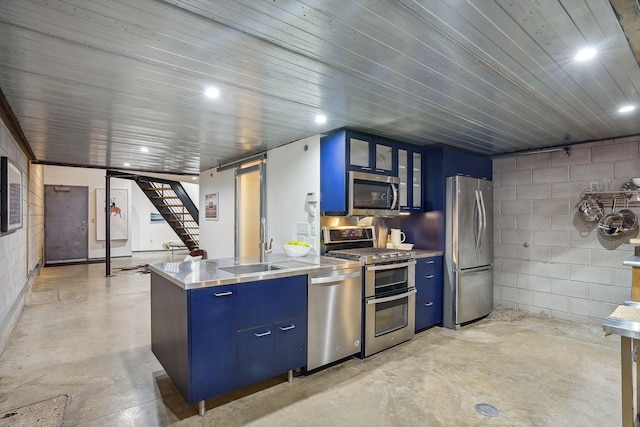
column 468, row 255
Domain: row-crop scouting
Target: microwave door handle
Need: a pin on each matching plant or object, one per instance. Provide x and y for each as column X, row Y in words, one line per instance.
column 395, row 196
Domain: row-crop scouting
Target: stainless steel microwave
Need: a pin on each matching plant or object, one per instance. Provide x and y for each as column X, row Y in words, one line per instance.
column 373, row 195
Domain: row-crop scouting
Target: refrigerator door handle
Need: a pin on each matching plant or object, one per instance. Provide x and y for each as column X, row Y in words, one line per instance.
column 478, row 212
column 475, row 269
column 484, row 219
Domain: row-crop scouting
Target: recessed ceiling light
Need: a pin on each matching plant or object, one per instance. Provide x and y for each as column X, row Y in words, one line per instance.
column 626, row 108
column 144, row 149
column 126, row 164
column 585, row 54
column 320, row 119
column 212, row 92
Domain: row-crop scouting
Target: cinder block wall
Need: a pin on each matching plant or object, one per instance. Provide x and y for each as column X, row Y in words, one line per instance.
column 548, row 259
column 14, row 259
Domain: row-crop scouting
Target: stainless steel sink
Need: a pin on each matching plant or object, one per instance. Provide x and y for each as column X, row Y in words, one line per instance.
column 251, row 268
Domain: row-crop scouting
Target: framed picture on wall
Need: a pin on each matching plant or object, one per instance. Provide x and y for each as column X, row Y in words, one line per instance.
column 211, row 206
column 118, row 214
column 10, row 195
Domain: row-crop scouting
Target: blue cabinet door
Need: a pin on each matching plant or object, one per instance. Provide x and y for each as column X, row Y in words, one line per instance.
column 410, row 171
column 429, row 283
column 333, row 174
column 269, row 301
column 291, row 344
column 257, row 355
column 460, row 163
column 213, row 359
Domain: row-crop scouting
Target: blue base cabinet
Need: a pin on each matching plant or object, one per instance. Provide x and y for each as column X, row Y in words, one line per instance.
column 429, row 284
column 214, row 340
column 272, row 336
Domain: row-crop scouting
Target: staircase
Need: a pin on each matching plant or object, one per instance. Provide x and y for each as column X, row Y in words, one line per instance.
column 173, row 203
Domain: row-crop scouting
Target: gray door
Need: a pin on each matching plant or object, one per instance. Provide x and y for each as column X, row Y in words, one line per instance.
column 65, row 223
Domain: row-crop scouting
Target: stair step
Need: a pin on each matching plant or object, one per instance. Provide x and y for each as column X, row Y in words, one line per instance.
column 158, row 188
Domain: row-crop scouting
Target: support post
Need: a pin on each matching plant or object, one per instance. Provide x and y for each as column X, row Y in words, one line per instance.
column 107, row 224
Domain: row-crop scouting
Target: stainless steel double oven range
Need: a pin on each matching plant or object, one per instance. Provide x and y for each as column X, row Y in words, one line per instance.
column 389, row 299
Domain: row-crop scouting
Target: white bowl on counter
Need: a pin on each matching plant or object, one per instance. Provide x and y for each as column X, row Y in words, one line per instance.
column 401, row 246
column 636, row 181
column 295, row 250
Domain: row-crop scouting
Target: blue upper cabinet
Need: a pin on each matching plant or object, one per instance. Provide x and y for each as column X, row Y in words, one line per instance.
column 410, row 172
column 441, row 162
column 345, row 151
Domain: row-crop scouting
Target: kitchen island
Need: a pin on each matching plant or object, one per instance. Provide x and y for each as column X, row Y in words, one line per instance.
column 221, row 324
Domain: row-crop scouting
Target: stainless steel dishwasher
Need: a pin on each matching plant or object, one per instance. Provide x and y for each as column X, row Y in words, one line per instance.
column 334, row 322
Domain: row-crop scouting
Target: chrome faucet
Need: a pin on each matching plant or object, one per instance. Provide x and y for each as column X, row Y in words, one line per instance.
column 264, row 249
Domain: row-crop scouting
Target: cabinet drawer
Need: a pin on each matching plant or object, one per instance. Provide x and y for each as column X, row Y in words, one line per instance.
column 431, row 265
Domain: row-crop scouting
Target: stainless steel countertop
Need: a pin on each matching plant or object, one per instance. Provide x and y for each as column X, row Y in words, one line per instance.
column 633, row 261
column 423, row 253
column 209, row 272
column 624, row 328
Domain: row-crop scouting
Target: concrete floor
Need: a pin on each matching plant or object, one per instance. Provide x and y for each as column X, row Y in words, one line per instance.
column 91, row 341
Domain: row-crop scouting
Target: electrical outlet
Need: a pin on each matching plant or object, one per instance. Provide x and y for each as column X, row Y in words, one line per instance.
column 303, row 228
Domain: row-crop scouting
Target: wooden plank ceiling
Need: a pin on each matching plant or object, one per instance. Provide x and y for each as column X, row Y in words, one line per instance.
column 92, row 82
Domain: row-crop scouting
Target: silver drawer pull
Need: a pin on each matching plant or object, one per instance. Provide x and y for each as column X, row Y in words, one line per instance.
column 287, row 328
column 430, row 262
column 223, row 294
column 428, row 304
column 430, row 276
column 264, row 334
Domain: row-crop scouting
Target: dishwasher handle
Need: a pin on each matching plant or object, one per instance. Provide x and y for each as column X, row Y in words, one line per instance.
column 333, row 279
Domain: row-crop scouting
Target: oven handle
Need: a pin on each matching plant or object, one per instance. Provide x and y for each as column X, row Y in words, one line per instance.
column 390, row 266
column 392, row 297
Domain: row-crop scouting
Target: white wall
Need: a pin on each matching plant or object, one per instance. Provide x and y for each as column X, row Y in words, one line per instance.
column 293, row 170
column 568, row 270
column 93, row 178
column 291, row 173
column 148, row 236
column 218, row 237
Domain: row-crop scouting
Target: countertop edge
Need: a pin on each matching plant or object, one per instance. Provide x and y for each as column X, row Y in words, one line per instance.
column 425, row 253
column 335, row 264
column 633, row 261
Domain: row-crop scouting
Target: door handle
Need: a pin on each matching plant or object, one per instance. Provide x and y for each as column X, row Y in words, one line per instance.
column 429, row 304
column 287, row 328
column 391, row 298
column 223, row 294
column 83, row 225
column 264, row 334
